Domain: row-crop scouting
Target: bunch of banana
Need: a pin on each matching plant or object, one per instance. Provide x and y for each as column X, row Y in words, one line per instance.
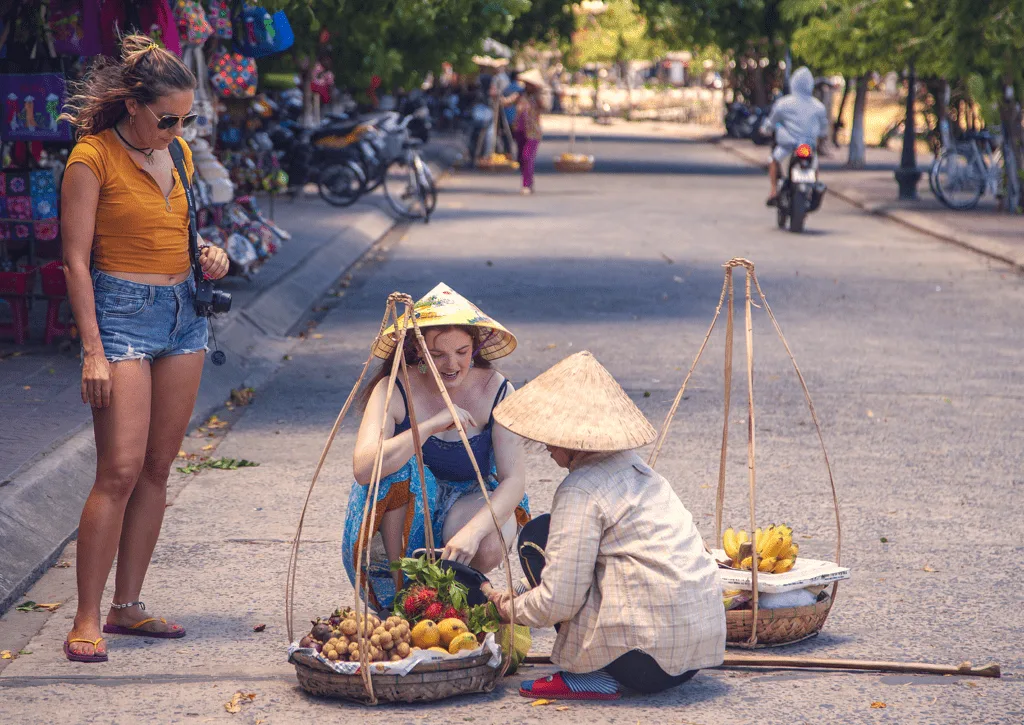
column 775, row 548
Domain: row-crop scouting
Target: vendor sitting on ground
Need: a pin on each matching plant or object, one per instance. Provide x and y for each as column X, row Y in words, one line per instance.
column 626, row 579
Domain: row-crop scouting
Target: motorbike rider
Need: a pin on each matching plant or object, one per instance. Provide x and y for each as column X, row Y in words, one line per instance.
column 795, row 119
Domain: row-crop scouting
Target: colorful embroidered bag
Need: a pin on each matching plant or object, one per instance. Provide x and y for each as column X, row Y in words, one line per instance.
column 193, row 26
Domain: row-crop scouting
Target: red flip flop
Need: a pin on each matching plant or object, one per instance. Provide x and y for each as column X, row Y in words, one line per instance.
column 134, row 630
column 75, row 657
column 554, row 688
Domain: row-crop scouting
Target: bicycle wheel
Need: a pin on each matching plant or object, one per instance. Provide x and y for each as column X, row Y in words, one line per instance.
column 959, row 183
column 341, row 185
column 404, row 189
column 428, row 183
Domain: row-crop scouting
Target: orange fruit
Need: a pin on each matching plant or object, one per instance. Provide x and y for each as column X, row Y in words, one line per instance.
column 426, row 634
column 450, row 629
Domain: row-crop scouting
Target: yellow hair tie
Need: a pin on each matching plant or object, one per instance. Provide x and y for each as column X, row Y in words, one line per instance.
column 152, row 46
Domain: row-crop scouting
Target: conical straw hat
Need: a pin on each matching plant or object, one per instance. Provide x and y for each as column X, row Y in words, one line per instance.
column 576, row 405
column 444, row 306
column 532, row 77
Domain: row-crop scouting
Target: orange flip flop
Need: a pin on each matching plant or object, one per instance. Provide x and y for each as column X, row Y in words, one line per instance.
column 76, row 657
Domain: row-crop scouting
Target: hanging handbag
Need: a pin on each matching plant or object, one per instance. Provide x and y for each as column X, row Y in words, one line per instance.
column 219, row 15
column 233, row 75
column 202, row 105
column 259, row 34
column 193, row 26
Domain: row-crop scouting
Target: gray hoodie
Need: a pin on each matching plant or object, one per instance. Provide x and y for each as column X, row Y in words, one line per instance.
column 799, row 117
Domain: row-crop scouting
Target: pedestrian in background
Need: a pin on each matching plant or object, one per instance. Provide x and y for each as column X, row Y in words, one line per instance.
column 125, row 229
column 528, row 128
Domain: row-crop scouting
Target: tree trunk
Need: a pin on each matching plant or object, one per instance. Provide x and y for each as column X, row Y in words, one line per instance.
column 760, row 91
column 1010, row 119
column 858, row 151
column 838, row 123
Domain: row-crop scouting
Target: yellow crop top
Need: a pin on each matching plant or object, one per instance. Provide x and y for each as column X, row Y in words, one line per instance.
column 135, row 230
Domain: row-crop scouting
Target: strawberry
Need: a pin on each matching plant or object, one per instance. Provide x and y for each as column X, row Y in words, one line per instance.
column 434, row 611
column 451, row 612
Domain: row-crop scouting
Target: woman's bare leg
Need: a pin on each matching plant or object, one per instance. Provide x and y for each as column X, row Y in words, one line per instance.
column 175, row 384
column 121, row 432
column 489, row 555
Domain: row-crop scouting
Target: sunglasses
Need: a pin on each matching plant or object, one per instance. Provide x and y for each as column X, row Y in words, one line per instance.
column 168, row 121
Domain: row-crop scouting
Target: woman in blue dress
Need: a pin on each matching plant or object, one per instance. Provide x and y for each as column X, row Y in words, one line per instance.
column 462, row 342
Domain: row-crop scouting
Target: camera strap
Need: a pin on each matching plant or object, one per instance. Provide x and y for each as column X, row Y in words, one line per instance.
column 178, row 156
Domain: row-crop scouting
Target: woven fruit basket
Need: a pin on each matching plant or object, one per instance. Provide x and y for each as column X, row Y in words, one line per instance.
column 433, row 678
column 497, row 163
column 777, row 626
column 574, row 164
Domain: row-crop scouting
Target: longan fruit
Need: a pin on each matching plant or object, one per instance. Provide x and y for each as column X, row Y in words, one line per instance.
column 332, row 655
column 353, row 649
column 349, row 627
column 396, row 658
column 403, row 649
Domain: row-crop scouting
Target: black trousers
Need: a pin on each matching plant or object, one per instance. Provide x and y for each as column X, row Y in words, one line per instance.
column 636, row 670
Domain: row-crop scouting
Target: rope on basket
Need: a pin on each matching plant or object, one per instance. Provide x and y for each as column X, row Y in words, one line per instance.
column 728, row 290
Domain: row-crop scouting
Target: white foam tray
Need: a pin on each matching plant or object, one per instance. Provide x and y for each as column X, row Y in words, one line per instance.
column 805, row 573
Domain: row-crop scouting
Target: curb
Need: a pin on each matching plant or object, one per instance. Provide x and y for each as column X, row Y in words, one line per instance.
column 41, row 504
column 917, row 221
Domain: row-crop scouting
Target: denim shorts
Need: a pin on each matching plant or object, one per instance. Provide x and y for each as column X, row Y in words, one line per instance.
column 146, row 322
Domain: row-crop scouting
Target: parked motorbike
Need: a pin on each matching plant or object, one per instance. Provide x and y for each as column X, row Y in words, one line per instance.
column 801, row 192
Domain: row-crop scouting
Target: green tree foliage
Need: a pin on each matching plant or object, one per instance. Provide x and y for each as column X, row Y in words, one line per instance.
column 544, row 20
column 617, row 35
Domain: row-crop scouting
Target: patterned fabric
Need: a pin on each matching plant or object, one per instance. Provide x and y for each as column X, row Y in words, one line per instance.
column 399, row 490
column 220, row 18
column 626, row 569
column 233, row 75
column 193, row 26
column 528, row 118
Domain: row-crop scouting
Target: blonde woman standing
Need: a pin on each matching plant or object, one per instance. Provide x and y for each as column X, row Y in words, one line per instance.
column 124, row 225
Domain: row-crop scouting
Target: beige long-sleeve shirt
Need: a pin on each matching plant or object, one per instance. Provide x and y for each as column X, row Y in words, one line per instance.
column 626, row 569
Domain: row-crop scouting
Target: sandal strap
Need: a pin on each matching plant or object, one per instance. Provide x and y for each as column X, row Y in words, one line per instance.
column 93, row 642
column 146, row 621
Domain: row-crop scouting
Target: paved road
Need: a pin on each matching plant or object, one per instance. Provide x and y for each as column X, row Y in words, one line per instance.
column 911, row 350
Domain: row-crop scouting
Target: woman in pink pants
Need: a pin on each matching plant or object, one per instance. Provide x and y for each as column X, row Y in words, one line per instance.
column 528, row 131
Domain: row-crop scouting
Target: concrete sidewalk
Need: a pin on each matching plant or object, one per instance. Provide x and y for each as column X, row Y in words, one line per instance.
column 984, row 229
column 47, row 453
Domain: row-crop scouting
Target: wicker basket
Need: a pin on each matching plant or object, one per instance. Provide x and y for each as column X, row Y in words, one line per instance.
column 574, row 166
column 777, row 626
column 506, row 166
column 426, row 682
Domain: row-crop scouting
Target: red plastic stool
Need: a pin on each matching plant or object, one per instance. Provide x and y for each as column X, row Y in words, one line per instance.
column 14, row 288
column 55, row 288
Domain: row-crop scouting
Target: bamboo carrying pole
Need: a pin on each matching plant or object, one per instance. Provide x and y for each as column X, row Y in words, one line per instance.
column 966, row 669
column 402, row 324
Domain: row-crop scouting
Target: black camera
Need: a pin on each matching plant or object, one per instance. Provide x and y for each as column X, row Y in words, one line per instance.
column 210, row 301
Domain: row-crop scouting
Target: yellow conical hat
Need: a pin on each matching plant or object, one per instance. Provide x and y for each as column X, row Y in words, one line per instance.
column 576, row 405
column 444, row 306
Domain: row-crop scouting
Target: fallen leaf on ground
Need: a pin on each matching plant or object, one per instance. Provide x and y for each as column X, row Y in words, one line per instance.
column 237, row 700
column 542, row 701
column 930, row 569
column 28, row 387
column 878, row 705
column 242, row 396
column 563, row 708
column 259, row 628
column 318, row 336
column 871, row 414
column 6, row 655
column 64, row 565
column 24, row 651
column 214, row 423
column 550, row 346
column 208, row 447
column 31, row 606
column 182, row 454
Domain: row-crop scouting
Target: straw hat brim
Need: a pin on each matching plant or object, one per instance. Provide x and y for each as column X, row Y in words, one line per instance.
column 532, row 77
column 443, row 306
column 576, row 405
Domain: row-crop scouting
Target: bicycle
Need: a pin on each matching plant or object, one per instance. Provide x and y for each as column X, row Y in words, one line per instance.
column 964, row 171
column 409, row 184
